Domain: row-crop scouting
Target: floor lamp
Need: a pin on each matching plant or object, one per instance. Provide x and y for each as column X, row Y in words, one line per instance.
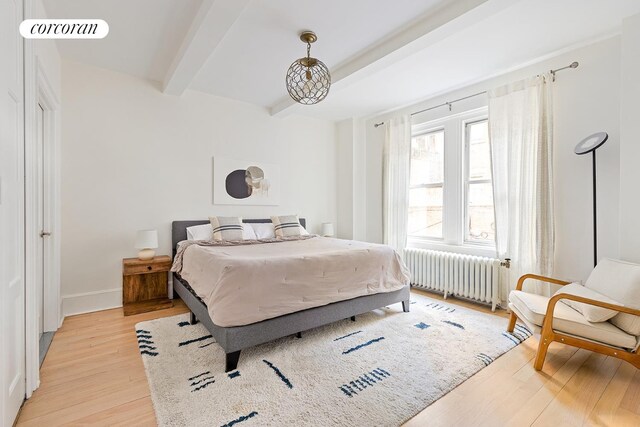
column 589, row 145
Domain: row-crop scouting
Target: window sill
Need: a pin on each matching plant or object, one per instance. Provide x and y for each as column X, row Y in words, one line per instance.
column 466, row 249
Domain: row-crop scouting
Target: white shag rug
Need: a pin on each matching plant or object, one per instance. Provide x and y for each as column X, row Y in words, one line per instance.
column 380, row 370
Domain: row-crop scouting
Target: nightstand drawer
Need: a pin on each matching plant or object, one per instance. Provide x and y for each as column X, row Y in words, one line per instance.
column 135, row 266
column 144, row 269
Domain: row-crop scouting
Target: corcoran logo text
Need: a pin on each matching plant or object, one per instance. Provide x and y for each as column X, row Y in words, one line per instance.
column 64, row 29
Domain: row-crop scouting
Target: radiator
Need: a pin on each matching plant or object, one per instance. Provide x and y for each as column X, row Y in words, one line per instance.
column 473, row 277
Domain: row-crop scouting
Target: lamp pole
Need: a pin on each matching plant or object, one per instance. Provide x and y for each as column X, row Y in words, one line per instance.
column 595, row 212
column 589, row 145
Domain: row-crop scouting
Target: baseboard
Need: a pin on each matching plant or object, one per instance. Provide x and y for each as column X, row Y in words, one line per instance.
column 91, row 301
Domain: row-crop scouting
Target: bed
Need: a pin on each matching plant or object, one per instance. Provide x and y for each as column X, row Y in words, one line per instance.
column 233, row 339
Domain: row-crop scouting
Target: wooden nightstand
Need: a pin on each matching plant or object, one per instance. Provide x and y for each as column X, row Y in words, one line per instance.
column 144, row 284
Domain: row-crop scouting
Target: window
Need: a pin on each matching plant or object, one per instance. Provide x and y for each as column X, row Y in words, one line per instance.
column 426, row 184
column 480, row 221
column 450, row 188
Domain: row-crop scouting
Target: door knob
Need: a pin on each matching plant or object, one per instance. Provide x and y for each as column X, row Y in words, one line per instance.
column 45, row 233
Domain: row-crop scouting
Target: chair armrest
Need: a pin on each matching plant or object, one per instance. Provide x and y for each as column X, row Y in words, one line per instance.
column 542, row 278
column 548, row 317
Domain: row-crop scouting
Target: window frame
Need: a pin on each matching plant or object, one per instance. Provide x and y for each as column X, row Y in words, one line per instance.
column 466, row 180
column 455, row 185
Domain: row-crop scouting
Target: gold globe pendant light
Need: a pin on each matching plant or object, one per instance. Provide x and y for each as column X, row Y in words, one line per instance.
column 308, row 79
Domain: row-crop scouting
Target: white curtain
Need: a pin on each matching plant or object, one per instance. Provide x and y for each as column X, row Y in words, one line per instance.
column 397, row 158
column 521, row 135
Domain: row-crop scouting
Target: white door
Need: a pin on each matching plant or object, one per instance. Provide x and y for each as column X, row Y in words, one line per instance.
column 12, row 326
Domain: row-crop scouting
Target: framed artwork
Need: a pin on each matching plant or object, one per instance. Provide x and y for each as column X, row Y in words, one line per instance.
column 240, row 182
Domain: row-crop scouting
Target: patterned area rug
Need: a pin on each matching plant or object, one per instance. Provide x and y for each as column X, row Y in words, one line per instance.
column 380, row 370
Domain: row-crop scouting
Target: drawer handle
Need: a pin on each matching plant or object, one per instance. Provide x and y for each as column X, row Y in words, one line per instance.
column 149, row 267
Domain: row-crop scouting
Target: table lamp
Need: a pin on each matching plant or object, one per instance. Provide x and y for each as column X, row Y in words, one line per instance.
column 327, row 229
column 146, row 241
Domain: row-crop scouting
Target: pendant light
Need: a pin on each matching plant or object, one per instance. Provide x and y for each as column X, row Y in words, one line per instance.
column 308, row 79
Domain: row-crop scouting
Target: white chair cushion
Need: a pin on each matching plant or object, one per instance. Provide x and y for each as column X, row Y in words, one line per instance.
column 619, row 280
column 591, row 312
column 533, row 308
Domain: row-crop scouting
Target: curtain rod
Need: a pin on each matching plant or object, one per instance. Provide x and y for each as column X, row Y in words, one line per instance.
column 449, row 103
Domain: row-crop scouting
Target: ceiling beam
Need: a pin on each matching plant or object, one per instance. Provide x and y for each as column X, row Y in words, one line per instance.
column 451, row 17
column 211, row 23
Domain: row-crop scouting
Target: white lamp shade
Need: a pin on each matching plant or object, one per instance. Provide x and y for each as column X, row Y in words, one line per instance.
column 327, row 229
column 147, row 239
column 591, row 143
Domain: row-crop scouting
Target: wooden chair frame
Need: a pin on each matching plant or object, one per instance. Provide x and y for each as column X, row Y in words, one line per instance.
column 548, row 335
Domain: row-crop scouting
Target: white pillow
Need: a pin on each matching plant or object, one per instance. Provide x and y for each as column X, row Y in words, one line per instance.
column 591, row 312
column 619, row 280
column 286, row 225
column 266, row 230
column 205, row 232
column 226, row 228
column 248, row 233
column 200, row 232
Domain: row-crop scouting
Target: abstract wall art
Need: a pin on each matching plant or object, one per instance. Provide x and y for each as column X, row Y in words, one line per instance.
column 239, row 182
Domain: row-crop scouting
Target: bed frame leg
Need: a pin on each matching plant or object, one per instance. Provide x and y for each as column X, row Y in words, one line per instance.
column 231, row 362
column 353, row 318
column 192, row 319
column 405, row 306
column 299, row 335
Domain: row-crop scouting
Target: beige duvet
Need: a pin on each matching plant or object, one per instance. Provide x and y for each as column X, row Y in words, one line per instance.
column 252, row 282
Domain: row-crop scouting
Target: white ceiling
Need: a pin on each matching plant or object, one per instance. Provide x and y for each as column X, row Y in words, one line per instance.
column 251, row 63
column 383, row 54
column 144, row 35
column 526, row 31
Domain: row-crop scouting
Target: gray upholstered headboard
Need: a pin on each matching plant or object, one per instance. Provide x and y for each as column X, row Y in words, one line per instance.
column 179, row 228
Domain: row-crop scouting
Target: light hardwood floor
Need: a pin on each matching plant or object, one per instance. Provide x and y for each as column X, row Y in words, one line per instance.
column 93, row 374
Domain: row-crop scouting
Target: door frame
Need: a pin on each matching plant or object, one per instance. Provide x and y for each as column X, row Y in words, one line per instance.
column 39, row 90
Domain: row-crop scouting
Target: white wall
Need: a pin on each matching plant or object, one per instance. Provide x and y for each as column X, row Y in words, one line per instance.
column 344, row 228
column 587, row 100
column 359, row 181
column 352, row 180
column 374, row 166
column 630, row 141
column 133, row 158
